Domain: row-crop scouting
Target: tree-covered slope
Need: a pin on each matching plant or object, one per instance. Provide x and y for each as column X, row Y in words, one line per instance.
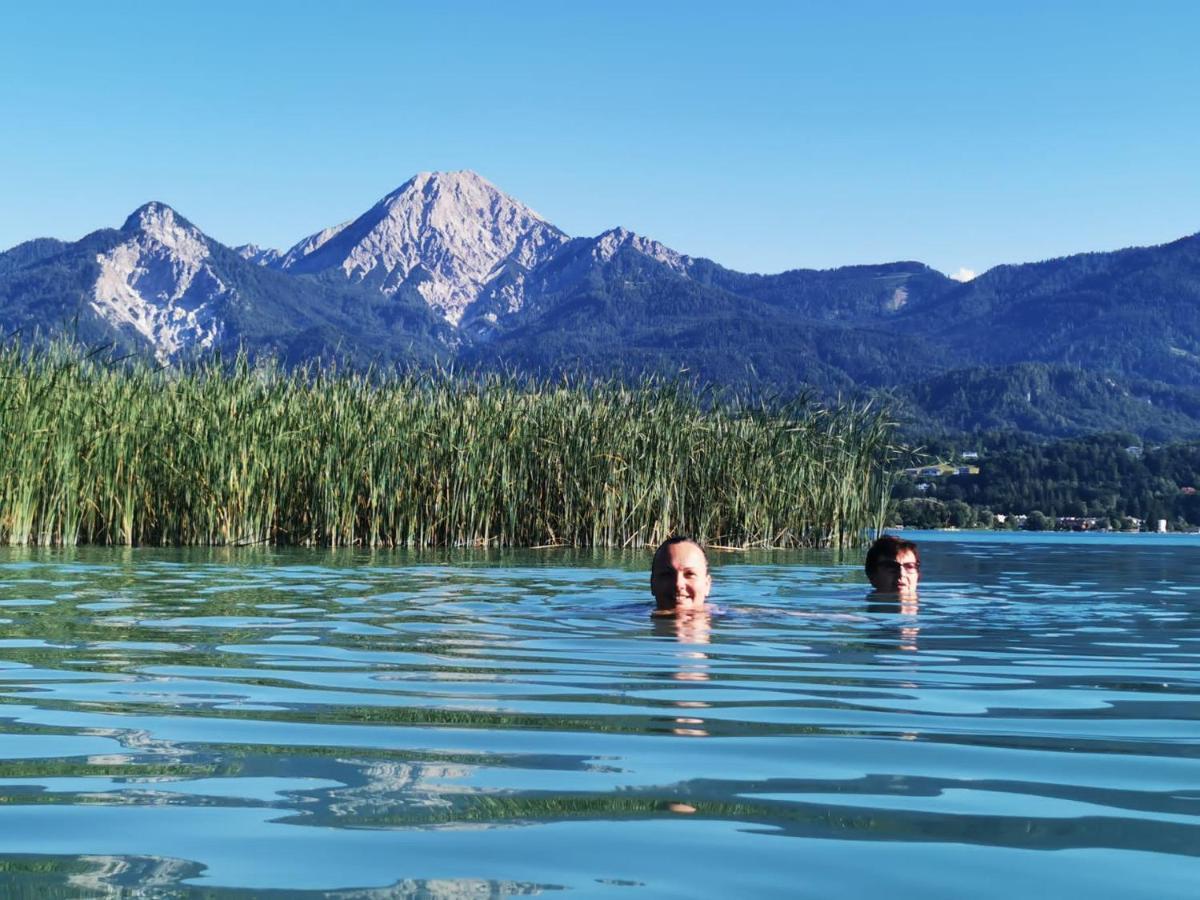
column 1048, row 400
column 851, row 294
column 1132, row 312
column 630, row 314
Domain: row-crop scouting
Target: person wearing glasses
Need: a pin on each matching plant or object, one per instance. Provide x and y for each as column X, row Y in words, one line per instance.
column 894, row 567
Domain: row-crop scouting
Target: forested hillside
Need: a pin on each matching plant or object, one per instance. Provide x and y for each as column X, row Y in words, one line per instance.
column 1110, row 476
column 1049, row 400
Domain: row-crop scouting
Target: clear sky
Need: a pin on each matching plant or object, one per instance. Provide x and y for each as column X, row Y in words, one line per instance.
column 766, row 136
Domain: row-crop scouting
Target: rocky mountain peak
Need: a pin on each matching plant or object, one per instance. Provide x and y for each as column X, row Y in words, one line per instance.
column 157, row 223
column 616, row 239
column 159, row 282
column 260, row 256
column 444, row 234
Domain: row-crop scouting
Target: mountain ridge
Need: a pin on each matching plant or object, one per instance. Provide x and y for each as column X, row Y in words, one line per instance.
column 448, row 268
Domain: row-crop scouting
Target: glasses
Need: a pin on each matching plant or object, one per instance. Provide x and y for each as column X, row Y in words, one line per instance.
column 892, row 565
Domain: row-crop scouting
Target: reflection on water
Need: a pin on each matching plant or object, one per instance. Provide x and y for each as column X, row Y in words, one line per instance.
column 475, row 726
column 99, row 876
column 908, row 626
column 690, row 627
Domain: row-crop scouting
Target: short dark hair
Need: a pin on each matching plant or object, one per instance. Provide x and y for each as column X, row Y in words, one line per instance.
column 679, row 539
column 888, row 548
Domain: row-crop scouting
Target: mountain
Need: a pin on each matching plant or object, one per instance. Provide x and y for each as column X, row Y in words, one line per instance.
column 851, row 294
column 160, row 282
column 29, row 253
column 1047, row 399
column 623, row 304
column 1102, row 341
column 1133, row 311
column 159, row 285
column 517, row 294
column 45, row 286
column 445, row 236
column 260, row 256
column 449, row 268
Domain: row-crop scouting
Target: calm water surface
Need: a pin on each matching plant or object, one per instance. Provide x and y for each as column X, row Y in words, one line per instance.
column 228, row 724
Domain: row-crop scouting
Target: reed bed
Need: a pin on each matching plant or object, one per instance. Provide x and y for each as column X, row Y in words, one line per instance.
column 235, row 454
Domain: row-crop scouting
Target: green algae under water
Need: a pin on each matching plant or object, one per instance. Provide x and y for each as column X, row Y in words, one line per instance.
column 274, row 723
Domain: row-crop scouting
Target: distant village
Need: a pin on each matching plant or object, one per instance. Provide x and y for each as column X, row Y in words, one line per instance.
column 967, row 464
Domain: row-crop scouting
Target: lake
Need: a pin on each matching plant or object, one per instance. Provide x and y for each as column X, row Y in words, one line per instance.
column 245, row 723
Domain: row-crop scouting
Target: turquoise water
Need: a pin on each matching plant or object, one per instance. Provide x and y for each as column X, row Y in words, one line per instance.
column 227, row 724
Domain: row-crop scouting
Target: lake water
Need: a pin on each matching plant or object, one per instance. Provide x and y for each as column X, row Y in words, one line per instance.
column 270, row 723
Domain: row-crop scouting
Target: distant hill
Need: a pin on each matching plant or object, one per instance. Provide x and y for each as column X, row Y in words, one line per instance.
column 1050, row 400
column 852, row 294
column 1132, row 312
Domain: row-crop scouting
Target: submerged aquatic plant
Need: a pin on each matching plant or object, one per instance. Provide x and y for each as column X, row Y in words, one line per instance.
column 130, row 453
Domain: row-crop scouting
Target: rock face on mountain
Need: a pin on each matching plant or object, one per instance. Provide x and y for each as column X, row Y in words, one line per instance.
column 446, row 235
column 260, row 256
column 159, row 281
column 160, row 286
column 517, row 293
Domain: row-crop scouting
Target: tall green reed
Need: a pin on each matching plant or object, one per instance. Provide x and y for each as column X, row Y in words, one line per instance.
column 236, row 453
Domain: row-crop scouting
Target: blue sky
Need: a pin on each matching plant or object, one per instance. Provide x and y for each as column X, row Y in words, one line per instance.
column 766, row 136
